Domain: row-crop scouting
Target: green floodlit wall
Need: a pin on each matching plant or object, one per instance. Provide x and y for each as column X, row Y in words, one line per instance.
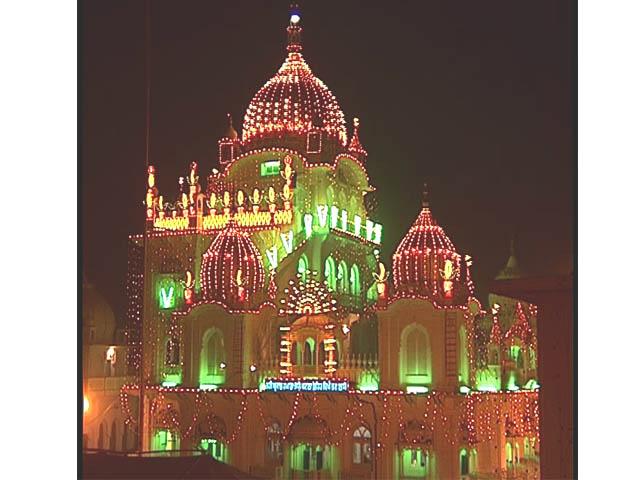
column 304, row 457
column 317, row 189
column 415, row 366
column 165, row 440
column 211, row 356
column 414, row 463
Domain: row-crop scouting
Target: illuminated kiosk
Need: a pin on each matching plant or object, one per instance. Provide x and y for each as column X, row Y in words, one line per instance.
column 270, row 334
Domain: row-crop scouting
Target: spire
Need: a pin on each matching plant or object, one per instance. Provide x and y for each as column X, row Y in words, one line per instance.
column 425, row 196
column 355, row 146
column 511, row 269
column 294, row 30
column 231, row 132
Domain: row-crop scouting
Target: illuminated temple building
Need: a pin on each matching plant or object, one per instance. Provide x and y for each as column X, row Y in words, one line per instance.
column 270, row 334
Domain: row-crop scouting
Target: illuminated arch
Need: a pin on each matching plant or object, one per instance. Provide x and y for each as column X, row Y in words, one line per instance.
column 212, row 357
column 342, row 277
column 354, row 281
column 415, row 356
column 330, row 273
column 303, row 267
column 361, row 445
column 464, row 462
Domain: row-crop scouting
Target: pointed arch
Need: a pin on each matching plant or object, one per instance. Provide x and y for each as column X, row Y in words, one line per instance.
column 342, row 277
column 212, row 357
column 330, row 273
column 303, row 267
column 415, row 356
column 464, row 462
column 354, row 280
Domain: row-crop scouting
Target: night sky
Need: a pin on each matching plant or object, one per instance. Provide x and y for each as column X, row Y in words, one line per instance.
column 474, row 97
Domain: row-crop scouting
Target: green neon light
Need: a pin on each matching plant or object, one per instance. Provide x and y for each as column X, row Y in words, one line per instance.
column 270, row 168
column 169, row 384
column 377, row 231
column 414, row 463
column 532, row 384
column 368, row 228
column 287, row 241
column 168, row 291
column 464, row 389
column 334, row 216
column 417, row 389
column 272, row 256
column 511, row 383
column 323, row 212
column 369, row 382
column 208, row 386
column 357, row 224
column 308, row 224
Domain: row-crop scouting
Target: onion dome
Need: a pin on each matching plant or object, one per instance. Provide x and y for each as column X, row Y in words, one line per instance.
column 294, row 99
column 427, row 264
column 355, row 147
column 232, row 270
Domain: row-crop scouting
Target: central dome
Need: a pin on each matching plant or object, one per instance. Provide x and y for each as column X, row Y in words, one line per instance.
column 293, row 101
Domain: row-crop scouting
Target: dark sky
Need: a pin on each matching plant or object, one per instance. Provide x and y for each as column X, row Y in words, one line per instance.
column 475, row 97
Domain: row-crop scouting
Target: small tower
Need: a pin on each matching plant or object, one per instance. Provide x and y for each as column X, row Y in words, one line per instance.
column 229, row 145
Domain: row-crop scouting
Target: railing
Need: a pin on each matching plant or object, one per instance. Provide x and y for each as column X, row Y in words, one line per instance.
column 350, row 367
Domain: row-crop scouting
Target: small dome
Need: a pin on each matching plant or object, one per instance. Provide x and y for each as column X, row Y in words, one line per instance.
column 232, row 270
column 97, row 316
column 426, row 263
column 294, row 100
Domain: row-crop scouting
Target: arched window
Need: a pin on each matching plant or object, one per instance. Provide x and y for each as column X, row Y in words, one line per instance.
column 415, row 356
column 303, row 267
column 330, row 273
column 527, row 448
column 517, row 456
column 354, row 280
column 101, row 437
column 464, row 462
column 274, row 443
column 463, row 359
column 473, row 464
column 342, row 277
column 361, row 445
column 113, row 437
column 309, row 354
column 212, row 358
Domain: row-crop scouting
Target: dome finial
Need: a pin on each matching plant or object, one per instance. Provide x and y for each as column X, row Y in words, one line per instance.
column 355, row 146
column 425, row 195
column 294, row 30
column 231, row 132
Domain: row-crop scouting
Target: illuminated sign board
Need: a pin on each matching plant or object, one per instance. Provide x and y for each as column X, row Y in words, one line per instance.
column 304, row 385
